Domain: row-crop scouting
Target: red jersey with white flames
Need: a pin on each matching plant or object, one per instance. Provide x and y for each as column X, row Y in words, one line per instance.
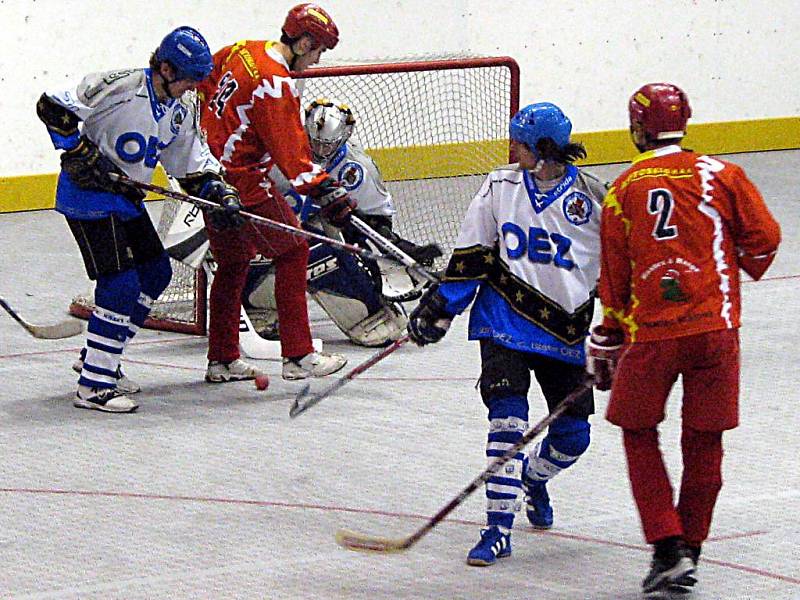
column 675, row 229
column 250, row 111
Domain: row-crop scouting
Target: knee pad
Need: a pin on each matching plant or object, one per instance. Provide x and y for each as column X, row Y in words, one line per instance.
column 508, row 406
column 508, row 420
column 117, row 292
column 567, row 438
column 155, row 275
column 569, row 435
column 347, row 290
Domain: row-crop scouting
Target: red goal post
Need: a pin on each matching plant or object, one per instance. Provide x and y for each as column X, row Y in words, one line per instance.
column 434, row 126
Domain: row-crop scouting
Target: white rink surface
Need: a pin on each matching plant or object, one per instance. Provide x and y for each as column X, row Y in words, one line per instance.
column 213, row 492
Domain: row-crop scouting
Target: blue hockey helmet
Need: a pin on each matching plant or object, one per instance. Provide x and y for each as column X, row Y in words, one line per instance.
column 188, row 53
column 540, row 120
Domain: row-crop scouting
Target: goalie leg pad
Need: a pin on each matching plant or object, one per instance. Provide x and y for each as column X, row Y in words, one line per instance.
column 346, row 290
column 338, row 272
column 508, row 420
column 379, row 329
column 258, row 298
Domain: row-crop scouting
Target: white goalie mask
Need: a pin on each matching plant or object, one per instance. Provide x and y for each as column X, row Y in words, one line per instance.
column 328, row 125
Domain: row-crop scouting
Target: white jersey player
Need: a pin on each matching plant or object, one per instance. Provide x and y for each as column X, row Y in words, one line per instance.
column 527, row 259
column 126, row 122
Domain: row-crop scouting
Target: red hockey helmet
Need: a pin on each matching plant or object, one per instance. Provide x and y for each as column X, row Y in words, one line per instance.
column 313, row 20
column 662, row 109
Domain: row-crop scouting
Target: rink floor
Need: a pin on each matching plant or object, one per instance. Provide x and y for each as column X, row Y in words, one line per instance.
column 213, row 492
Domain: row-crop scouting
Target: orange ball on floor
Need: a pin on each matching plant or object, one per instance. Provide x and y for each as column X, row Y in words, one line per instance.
column 262, row 382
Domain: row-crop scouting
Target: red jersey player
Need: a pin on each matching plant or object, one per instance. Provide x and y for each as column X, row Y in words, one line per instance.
column 251, row 115
column 676, row 228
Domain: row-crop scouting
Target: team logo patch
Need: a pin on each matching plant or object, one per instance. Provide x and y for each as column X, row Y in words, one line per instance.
column 577, row 208
column 351, row 176
column 671, row 289
column 178, row 117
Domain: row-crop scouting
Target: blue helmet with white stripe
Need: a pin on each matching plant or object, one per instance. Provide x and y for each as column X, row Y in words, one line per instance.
column 538, row 121
column 188, row 53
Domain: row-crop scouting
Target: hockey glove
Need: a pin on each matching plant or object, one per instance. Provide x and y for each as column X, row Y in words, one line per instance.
column 429, row 321
column 336, row 205
column 88, row 168
column 224, row 194
column 602, row 353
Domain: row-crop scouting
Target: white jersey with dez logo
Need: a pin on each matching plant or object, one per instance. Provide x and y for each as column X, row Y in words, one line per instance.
column 123, row 116
column 547, row 240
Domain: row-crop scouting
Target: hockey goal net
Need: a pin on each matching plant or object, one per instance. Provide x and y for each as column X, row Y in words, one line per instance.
column 434, row 127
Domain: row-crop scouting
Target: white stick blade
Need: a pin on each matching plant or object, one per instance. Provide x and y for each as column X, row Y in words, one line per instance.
column 366, row 543
column 57, row 331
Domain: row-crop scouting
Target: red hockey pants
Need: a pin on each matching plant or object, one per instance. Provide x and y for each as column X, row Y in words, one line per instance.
column 709, row 366
column 233, row 248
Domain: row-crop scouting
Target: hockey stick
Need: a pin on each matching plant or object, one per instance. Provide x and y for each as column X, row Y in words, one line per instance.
column 57, row 331
column 256, row 218
column 253, row 345
column 389, row 247
column 366, row 543
column 303, row 401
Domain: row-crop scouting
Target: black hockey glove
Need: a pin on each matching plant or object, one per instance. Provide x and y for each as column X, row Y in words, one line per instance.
column 88, row 168
column 224, row 194
column 336, row 205
column 429, row 321
column 424, row 255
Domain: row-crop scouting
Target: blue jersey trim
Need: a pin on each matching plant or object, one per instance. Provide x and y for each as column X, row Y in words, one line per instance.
column 158, row 109
column 64, row 142
column 337, row 158
column 540, row 200
column 459, row 295
column 492, row 318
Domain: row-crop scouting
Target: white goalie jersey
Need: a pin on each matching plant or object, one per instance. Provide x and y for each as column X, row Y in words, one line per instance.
column 358, row 173
column 535, row 255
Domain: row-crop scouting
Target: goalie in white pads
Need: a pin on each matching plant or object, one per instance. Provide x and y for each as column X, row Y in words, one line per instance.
column 361, row 297
column 529, row 249
column 126, row 122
